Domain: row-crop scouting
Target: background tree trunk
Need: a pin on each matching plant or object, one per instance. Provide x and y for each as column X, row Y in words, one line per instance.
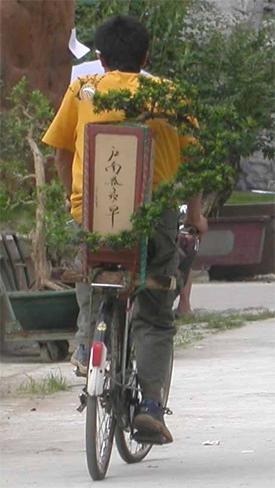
column 34, row 43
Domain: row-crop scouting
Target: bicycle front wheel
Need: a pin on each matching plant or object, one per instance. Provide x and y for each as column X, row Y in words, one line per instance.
column 100, row 427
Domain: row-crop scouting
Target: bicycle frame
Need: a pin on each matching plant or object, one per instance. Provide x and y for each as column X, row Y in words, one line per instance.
column 98, row 356
column 113, row 392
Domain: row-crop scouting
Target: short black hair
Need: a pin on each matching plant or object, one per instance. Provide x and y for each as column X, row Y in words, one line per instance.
column 123, row 43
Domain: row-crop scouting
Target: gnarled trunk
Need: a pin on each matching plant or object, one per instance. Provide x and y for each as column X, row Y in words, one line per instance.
column 41, row 264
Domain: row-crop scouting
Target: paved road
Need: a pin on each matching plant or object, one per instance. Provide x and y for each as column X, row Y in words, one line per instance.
column 223, row 394
column 222, row 296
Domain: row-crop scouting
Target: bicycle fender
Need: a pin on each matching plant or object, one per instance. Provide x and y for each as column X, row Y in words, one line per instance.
column 96, row 372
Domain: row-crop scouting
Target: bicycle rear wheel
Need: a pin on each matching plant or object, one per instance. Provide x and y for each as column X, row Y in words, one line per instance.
column 100, row 417
column 130, row 450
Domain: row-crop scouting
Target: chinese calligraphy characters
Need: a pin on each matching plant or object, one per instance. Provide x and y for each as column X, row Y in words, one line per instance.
column 113, row 168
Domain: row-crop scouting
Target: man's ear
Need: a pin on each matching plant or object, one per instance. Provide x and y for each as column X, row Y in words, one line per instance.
column 104, row 64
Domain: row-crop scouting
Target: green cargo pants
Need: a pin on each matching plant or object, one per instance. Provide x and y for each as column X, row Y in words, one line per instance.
column 152, row 321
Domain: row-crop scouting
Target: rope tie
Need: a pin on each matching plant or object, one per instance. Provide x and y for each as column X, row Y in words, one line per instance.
column 143, row 262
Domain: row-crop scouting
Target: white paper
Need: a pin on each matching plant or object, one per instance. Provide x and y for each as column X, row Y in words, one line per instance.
column 77, row 48
column 88, row 68
column 91, row 68
column 211, row 443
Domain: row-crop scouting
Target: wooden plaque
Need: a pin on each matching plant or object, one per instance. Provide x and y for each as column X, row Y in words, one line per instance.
column 117, row 179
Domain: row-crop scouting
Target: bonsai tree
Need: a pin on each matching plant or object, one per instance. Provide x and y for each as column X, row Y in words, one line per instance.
column 230, row 64
column 229, row 87
column 29, row 203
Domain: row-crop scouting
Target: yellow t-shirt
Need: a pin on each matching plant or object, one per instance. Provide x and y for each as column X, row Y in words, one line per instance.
column 67, row 130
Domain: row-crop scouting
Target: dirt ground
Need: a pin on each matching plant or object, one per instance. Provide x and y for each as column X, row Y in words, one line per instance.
column 223, row 420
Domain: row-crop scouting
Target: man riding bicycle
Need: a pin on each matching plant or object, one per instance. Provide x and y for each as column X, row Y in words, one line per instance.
column 122, row 45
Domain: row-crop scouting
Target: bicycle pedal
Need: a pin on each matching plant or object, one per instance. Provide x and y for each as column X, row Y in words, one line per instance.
column 83, row 401
column 167, row 411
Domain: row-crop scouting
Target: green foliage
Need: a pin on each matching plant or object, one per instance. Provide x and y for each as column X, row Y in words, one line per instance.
column 231, row 66
column 229, row 128
column 163, row 19
column 196, row 326
column 246, row 198
column 49, row 385
column 235, row 78
column 228, row 83
column 29, row 112
column 225, row 78
column 156, row 98
column 57, row 222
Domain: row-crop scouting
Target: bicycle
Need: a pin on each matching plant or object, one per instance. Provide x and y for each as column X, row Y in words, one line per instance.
column 112, row 392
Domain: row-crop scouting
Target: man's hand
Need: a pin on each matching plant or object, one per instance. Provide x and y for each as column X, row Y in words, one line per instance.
column 194, row 217
column 64, row 163
column 200, row 224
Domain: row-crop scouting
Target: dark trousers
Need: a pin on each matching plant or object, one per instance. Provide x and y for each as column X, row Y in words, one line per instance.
column 152, row 320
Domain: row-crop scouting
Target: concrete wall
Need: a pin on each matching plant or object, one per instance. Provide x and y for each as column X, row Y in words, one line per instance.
column 254, row 9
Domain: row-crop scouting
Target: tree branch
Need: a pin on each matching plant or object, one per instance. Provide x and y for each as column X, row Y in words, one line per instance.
column 41, row 265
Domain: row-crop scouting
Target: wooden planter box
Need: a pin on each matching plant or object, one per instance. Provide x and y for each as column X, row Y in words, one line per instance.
column 45, row 310
column 48, row 317
column 241, row 242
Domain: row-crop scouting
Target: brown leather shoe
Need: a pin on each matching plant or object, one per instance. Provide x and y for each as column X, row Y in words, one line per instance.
column 150, row 424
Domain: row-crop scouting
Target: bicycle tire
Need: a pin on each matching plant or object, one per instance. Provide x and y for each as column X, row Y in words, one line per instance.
column 100, row 417
column 129, row 450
